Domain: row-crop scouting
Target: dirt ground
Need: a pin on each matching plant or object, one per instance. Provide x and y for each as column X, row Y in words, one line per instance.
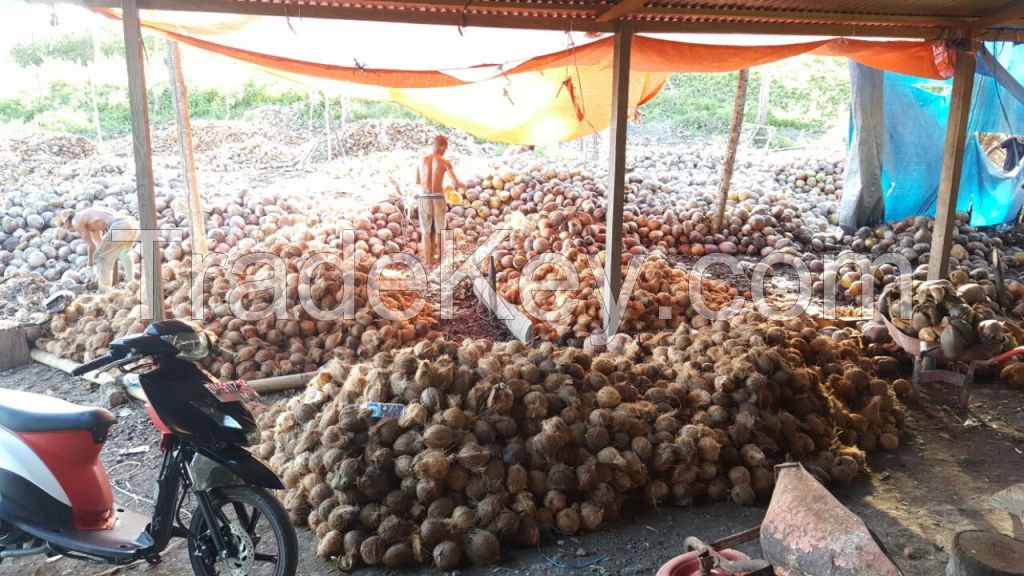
column 938, row 482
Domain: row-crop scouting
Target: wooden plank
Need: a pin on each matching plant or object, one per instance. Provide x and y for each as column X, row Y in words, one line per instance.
column 519, row 325
column 197, row 226
column 738, row 106
column 623, row 8
column 952, row 163
column 617, row 168
column 142, row 150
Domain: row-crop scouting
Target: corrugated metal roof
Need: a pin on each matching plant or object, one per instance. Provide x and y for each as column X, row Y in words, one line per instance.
column 917, row 18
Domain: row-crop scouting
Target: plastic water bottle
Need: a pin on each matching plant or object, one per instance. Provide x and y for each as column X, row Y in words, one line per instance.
column 384, row 409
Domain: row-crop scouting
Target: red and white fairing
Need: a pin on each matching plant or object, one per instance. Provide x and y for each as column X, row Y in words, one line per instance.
column 49, row 462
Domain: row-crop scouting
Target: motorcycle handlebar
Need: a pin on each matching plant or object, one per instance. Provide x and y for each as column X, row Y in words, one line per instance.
column 95, row 364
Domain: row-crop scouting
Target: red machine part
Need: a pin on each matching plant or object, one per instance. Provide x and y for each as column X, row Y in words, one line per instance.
column 807, row 531
column 74, row 459
column 165, row 432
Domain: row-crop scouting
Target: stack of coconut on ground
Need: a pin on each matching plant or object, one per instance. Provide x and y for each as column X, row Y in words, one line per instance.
column 551, row 209
column 266, row 345
column 501, row 443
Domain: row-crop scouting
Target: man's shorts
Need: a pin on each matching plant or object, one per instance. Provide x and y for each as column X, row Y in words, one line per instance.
column 432, row 211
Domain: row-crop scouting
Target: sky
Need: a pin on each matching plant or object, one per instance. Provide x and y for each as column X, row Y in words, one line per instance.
column 23, row 22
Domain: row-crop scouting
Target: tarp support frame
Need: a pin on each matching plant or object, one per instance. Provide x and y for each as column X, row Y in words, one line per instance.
column 952, row 164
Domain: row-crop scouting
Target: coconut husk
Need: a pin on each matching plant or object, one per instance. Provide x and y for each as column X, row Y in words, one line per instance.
column 482, row 548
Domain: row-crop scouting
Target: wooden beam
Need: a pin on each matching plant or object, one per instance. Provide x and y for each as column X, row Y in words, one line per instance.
column 623, row 8
column 142, row 150
column 1008, row 13
column 952, row 163
column 738, row 106
column 651, row 26
column 197, row 226
column 812, row 16
column 617, row 169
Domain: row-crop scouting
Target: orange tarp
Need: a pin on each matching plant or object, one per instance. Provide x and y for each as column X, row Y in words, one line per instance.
column 546, row 98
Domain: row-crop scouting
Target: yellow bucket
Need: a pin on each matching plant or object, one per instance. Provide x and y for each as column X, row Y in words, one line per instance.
column 452, row 196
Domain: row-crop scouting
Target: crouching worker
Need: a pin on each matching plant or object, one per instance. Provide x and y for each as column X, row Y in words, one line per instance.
column 109, row 236
column 431, row 202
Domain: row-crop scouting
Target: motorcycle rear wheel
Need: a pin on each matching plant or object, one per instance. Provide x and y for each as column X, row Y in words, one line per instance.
column 247, row 516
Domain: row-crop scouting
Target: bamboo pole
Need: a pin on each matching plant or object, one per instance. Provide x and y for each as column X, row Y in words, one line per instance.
column 197, row 226
column 64, row 365
column 734, row 141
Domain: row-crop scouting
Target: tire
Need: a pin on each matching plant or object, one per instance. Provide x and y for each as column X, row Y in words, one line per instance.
column 234, row 506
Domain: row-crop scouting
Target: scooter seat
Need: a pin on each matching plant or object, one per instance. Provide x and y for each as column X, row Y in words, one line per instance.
column 28, row 412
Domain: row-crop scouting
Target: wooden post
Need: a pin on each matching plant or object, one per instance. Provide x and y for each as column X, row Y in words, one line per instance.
column 92, row 86
column 730, row 152
column 142, row 150
column 197, row 226
column 764, row 96
column 311, row 108
column 327, row 124
column 952, row 163
column 13, row 345
column 617, row 168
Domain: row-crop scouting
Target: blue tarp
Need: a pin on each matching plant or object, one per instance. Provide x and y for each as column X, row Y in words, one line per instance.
column 915, row 116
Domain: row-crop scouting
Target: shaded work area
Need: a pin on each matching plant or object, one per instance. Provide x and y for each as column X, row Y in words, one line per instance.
column 601, row 83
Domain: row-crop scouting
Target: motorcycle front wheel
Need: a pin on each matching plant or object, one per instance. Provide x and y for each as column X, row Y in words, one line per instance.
column 256, row 530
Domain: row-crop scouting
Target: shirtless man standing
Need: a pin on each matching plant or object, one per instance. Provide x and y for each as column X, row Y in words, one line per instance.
column 432, row 208
column 108, row 234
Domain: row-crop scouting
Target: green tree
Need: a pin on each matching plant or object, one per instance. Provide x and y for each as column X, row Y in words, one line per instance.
column 75, row 48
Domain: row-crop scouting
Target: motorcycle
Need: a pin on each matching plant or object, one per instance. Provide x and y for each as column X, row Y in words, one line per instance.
column 56, row 499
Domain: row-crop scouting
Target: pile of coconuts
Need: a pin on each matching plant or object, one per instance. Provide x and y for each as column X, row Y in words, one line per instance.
column 959, row 315
column 269, row 346
column 565, row 205
column 659, row 298
column 500, row 443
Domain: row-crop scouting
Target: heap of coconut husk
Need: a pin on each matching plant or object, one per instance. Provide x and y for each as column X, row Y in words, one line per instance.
column 85, row 329
column 51, row 147
column 388, row 135
column 499, row 442
column 22, row 296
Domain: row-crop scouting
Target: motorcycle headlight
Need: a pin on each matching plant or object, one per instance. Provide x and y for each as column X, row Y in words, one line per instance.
column 191, row 346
